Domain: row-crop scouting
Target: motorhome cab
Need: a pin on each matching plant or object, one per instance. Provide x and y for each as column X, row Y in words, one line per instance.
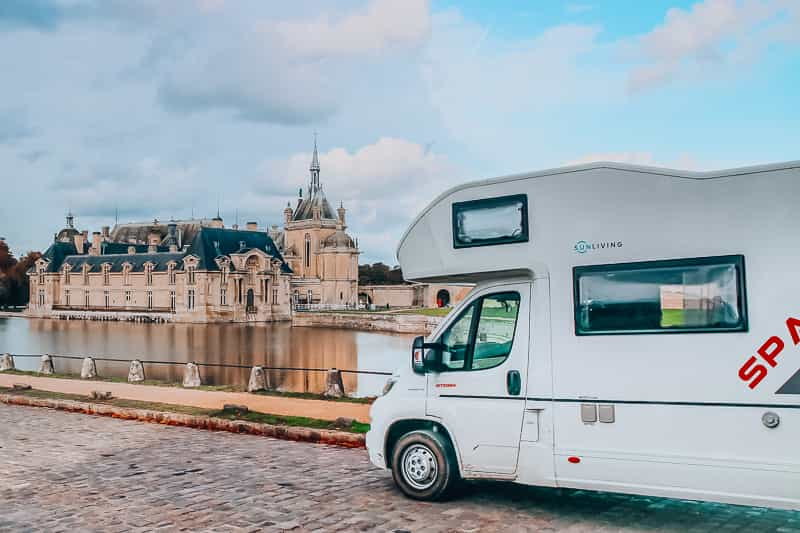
column 631, row 329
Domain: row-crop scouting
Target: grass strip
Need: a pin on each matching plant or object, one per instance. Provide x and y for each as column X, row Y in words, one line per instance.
column 213, row 388
column 250, row 416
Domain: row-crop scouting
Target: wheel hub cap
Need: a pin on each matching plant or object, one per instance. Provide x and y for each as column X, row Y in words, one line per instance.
column 419, row 466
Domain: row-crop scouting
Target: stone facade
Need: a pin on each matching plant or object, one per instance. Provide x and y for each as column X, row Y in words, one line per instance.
column 412, row 295
column 322, row 256
column 221, row 275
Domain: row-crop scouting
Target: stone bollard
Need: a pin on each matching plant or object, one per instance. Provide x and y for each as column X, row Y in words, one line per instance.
column 6, row 362
column 334, row 387
column 136, row 372
column 46, row 365
column 258, row 380
column 88, row 368
column 191, row 375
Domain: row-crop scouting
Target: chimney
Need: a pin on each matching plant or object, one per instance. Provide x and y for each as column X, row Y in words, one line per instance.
column 106, row 231
column 131, row 250
column 173, row 248
column 80, row 238
column 251, row 226
column 341, row 211
column 235, row 227
column 153, row 240
column 95, row 243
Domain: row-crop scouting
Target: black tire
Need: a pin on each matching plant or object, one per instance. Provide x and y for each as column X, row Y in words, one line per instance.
column 424, row 465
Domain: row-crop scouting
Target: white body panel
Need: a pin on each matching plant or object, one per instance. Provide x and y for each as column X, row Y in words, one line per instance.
column 685, row 424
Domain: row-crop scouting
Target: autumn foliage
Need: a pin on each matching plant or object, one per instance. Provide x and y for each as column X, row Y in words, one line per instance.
column 13, row 278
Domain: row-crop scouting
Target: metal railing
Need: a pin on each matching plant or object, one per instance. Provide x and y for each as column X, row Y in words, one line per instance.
column 111, row 359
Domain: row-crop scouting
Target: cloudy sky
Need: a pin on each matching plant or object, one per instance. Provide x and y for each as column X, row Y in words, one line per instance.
column 164, row 109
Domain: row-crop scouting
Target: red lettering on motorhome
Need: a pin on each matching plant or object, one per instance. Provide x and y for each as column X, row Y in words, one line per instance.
column 752, row 371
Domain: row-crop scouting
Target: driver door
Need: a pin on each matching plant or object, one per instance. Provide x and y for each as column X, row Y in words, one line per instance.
column 479, row 394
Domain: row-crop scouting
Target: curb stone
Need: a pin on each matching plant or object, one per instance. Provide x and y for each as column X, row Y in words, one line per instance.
column 296, row 433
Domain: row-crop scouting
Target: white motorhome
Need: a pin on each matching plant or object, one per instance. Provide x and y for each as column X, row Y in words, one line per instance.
column 632, row 329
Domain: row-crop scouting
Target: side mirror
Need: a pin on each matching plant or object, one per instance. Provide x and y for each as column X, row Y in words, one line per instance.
column 422, row 361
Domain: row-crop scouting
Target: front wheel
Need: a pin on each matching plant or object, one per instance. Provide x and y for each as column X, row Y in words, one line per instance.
column 424, row 465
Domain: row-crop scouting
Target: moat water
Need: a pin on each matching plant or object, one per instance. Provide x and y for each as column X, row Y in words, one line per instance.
column 272, row 345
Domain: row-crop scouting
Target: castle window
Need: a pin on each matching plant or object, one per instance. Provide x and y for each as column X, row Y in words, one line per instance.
column 148, row 274
column 149, row 299
column 41, row 297
column 66, row 297
column 171, row 273
column 190, row 300
column 190, row 274
column 106, row 299
column 67, row 268
column 86, row 298
column 308, row 251
column 224, row 280
column 106, row 277
column 172, row 301
column 86, row 275
column 252, row 269
column 274, row 295
column 128, row 296
column 223, row 296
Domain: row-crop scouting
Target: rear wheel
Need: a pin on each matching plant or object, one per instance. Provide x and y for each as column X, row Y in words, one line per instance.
column 424, row 465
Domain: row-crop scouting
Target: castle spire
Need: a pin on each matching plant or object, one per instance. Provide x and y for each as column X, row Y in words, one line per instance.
column 70, row 219
column 314, row 167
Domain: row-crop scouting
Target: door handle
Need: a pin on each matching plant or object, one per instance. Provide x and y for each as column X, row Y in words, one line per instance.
column 513, row 382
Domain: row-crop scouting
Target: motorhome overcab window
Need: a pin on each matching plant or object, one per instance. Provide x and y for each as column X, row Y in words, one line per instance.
column 482, row 336
column 490, row 221
column 687, row 295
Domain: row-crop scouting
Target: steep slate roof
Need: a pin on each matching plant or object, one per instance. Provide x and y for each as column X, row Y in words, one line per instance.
column 109, row 247
column 56, row 254
column 315, row 198
column 137, row 261
column 211, row 243
column 208, row 244
column 139, row 231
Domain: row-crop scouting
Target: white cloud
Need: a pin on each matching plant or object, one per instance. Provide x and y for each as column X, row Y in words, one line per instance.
column 710, row 37
column 288, row 71
column 380, row 25
column 144, row 190
column 383, row 185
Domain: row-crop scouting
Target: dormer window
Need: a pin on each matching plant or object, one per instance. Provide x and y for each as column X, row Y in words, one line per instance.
column 86, row 275
column 106, row 274
column 67, row 269
column 190, row 274
column 171, row 273
column 126, row 274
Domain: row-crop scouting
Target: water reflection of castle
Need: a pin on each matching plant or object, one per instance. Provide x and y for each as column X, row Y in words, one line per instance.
column 274, row 345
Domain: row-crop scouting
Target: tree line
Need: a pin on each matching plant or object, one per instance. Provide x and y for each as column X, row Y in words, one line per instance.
column 14, row 289
column 379, row 274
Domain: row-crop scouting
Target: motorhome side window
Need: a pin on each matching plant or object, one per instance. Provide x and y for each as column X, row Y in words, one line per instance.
column 690, row 295
column 483, row 335
column 490, row 221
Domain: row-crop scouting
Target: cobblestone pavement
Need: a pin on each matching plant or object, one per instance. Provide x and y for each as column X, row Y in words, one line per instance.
column 72, row 472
